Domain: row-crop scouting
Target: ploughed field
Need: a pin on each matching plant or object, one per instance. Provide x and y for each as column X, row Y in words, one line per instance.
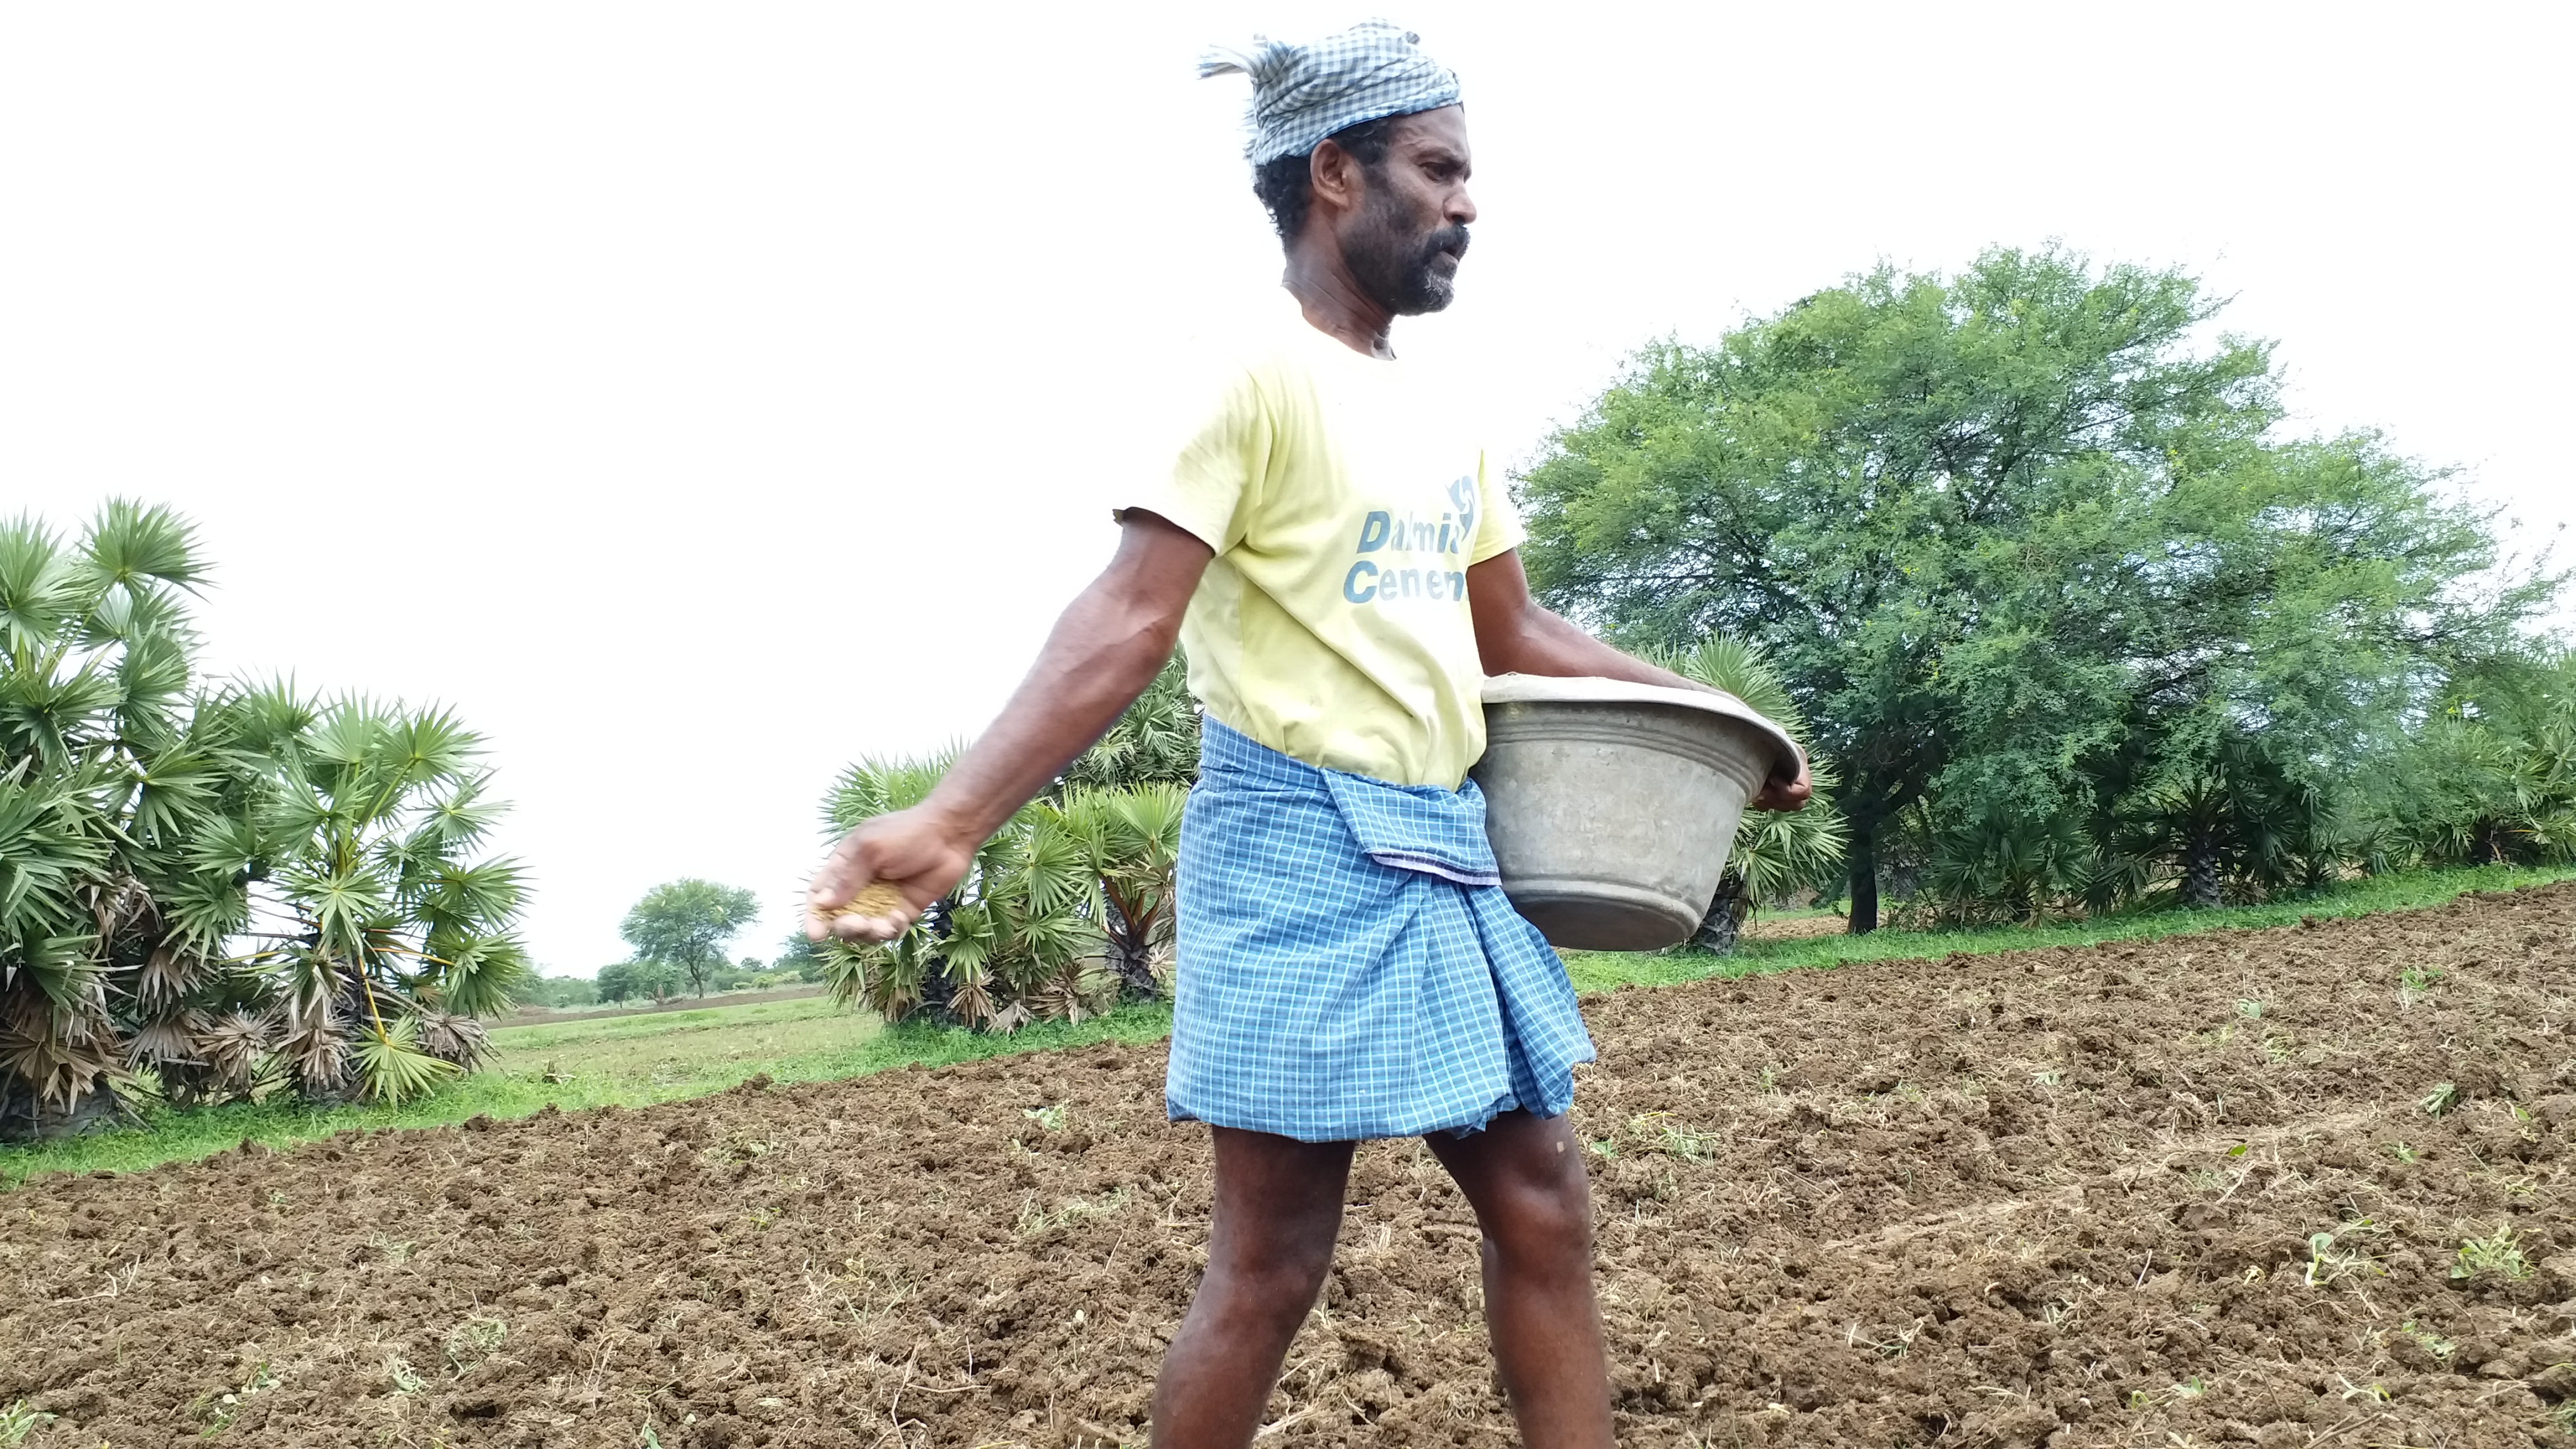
column 2210, row 1190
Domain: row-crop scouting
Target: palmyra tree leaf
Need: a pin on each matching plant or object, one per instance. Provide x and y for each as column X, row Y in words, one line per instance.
column 392, row 1066
column 453, row 1038
column 879, row 784
column 269, row 719
column 483, row 975
column 39, row 590
column 130, row 544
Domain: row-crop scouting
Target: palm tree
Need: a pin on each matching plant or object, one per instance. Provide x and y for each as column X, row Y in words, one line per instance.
column 1064, row 911
column 1133, row 838
column 126, row 814
column 1774, row 853
column 383, row 937
column 193, row 880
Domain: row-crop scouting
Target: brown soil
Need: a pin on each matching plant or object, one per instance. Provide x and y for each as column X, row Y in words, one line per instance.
column 2076, row 1197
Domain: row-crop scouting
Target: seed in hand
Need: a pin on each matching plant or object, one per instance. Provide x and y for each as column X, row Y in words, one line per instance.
column 876, row 900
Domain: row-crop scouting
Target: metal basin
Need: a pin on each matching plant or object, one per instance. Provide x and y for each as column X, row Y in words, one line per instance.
column 1611, row 805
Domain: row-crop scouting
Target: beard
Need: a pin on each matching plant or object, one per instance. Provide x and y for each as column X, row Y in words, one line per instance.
column 1407, row 270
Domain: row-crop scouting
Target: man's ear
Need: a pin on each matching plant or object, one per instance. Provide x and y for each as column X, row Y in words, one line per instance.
column 1335, row 176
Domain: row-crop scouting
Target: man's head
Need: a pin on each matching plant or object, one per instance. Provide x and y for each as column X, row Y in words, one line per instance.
column 1359, row 150
column 1389, row 196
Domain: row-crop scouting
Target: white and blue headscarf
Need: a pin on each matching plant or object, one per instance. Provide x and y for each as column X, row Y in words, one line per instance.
column 1304, row 93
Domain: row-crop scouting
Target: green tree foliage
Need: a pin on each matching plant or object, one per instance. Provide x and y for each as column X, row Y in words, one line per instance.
column 2490, row 777
column 1774, row 852
column 639, row 981
column 798, row 957
column 217, row 890
column 685, row 924
column 562, row 991
column 2029, row 555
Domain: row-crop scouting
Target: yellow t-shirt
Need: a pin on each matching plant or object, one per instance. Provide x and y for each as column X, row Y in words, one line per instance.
column 1345, row 507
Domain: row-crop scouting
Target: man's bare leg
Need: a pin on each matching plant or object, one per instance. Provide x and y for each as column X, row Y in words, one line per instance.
column 1278, row 1209
column 1524, row 1176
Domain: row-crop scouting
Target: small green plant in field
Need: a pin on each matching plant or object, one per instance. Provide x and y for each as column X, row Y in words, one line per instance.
column 645, row 1438
column 2429, row 1341
column 1897, row 1346
column 17, row 1421
column 221, row 1410
column 405, row 1380
column 2440, row 1100
column 2498, row 1254
column 471, row 1342
column 1035, row 1219
column 2331, row 1257
column 1603, row 1147
column 1050, row 1118
column 2250, row 1008
column 2415, row 983
column 2190, row 1388
column 2402, row 1152
column 1660, row 1133
column 2047, row 1077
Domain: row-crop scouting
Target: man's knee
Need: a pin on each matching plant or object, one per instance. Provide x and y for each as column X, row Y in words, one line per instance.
column 1278, row 1277
column 1545, row 1210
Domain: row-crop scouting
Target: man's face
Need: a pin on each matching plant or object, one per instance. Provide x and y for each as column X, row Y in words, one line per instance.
column 1404, row 242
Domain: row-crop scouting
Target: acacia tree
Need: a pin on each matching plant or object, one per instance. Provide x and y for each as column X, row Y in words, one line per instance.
column 2004, row 531
column 633, row 980
column 686, row 924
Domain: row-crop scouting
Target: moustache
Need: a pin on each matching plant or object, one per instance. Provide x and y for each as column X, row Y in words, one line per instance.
column 1451, row 239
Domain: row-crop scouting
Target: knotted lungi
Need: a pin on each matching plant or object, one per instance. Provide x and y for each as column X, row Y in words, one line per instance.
column 1348, row 964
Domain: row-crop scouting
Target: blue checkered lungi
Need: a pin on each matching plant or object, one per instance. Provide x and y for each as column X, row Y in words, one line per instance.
column 1348, row 964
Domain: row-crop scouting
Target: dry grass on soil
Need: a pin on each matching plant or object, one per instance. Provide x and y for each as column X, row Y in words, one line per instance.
column 2293, row 1187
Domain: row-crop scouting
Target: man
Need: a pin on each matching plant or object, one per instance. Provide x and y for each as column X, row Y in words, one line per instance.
column 1341, row 564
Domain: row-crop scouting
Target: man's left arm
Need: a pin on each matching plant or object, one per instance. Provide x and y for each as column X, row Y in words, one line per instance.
column 1515, row 635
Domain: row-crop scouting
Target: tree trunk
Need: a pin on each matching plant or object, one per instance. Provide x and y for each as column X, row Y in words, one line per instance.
column 2200, row 868
column 27, row 1117
column 1724, row 920
column 1129, row 955
column 1863, row 860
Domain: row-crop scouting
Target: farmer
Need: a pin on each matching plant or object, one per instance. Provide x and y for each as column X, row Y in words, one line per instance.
column 1340, row 562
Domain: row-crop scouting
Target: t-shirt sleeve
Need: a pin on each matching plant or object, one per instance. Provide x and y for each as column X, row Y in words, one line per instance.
column 1499, row 531
column 1214, row 481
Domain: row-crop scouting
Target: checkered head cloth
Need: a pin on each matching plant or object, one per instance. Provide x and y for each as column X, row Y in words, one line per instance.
column 1303, row 93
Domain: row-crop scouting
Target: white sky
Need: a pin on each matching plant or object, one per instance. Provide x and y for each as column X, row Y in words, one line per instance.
column 697, row 397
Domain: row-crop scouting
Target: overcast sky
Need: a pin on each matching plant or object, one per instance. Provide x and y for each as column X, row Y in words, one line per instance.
column 699, row 397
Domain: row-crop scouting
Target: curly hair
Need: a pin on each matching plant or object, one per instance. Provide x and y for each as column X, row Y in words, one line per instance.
column 1286, row 185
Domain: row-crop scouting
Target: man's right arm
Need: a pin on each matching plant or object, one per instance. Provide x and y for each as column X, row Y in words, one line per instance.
column 1105, row 649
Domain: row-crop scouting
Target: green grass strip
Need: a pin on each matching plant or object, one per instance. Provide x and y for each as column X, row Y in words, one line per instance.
column 1608, row 971
column 594, row 1063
